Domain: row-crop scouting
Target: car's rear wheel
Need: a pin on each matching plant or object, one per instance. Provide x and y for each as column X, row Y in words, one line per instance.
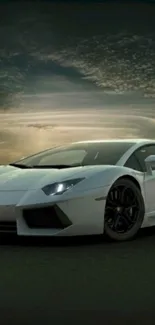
column 124, row 211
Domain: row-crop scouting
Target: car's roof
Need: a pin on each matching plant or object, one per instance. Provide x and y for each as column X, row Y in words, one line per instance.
column 134, row 141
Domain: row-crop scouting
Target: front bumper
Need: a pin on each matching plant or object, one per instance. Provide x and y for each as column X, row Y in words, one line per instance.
column 78, row 216
column 8, row 217
column 8, row 211
column 34, row 214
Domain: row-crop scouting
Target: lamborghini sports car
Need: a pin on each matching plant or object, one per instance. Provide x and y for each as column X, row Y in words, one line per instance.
column 83, row 188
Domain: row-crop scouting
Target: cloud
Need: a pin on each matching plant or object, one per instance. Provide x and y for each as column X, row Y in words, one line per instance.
column 120, row 61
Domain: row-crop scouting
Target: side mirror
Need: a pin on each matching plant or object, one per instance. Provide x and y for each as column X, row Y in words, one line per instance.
column 150, row 162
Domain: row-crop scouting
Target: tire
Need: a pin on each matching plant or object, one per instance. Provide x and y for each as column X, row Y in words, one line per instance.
column 124, row 211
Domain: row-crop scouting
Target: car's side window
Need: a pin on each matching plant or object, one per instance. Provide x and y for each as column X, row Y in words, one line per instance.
column 142, row 153
column 133, row 163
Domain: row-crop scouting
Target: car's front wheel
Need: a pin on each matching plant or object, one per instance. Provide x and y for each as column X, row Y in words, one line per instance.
column 124, row 211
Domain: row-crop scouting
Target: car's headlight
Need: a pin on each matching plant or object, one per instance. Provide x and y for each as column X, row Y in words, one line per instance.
column 60, row 188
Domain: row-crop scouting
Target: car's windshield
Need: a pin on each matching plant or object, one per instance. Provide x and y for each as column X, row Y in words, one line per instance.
column 95, row 153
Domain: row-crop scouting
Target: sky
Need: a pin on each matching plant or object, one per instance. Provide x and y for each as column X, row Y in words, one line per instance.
column 104, row 52
column 95, row 60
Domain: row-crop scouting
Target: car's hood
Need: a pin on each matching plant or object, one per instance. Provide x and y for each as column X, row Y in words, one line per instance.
column 12, row 178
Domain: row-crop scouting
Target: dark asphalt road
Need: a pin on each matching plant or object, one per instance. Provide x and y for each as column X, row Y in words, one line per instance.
column 80, row 281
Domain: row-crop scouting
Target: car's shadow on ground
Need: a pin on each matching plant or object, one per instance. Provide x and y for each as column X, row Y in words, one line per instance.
column 144, row 236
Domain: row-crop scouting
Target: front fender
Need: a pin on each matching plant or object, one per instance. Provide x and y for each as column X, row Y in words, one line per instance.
column 107, row 177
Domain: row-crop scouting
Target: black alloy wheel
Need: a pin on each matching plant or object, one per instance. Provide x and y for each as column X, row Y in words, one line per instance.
column 124, row 211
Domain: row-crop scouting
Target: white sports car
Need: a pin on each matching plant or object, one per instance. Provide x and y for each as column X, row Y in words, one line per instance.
column 84, row 188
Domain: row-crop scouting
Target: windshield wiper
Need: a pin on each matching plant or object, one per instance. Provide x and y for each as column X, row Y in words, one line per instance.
column 20, row 165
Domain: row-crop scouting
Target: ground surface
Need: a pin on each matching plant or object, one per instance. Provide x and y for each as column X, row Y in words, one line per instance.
column 66, row 281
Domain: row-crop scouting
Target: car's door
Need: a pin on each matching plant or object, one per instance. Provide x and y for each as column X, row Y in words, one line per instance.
column 137, row 162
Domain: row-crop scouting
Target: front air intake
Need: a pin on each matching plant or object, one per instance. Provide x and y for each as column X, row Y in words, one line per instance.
column 46, row 218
